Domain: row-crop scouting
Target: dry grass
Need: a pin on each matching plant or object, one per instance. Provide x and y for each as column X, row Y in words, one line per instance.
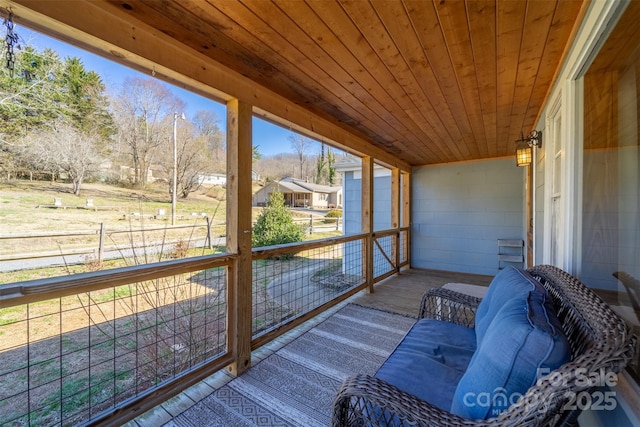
column 26, row 206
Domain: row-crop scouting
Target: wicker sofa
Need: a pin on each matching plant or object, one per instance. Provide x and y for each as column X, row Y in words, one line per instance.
column 598, row 342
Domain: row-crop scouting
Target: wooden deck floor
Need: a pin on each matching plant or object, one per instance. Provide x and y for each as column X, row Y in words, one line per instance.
column 402, row 293
column 205, row 404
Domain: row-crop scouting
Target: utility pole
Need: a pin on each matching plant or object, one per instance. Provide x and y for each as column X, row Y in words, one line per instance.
column 174, row 179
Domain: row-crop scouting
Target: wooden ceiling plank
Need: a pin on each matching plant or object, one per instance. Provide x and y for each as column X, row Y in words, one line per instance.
column 383, row 47
column 333, row 48
column 291, row 63
column 345, row 30
column 481, row 15
column 555, row 48
column 427, row 27
column 452, row 18
column 535, row 32
column 269, row 43
column 186, row 25
column 313, row 60
column 509, row 35
column 400, row 27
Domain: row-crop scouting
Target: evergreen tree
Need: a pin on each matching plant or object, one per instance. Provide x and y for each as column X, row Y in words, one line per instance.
column 275, row 225
column 321, row 173
column 82, row 98
column 28, row 98
column 331, row 161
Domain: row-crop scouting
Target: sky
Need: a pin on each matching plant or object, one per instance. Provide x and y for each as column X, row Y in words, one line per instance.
column 269, row 138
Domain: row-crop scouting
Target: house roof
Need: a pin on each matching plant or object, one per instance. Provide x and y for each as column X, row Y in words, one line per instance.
column 311, row 187
column 408, row 82
column 285, row 186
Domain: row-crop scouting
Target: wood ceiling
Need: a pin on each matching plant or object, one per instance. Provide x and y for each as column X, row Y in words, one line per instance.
column 427, row 82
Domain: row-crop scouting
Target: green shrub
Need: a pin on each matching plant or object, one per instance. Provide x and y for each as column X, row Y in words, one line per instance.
column 275, row 224
column 334, row 213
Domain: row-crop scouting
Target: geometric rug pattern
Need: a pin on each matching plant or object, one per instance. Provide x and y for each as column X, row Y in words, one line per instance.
column 296, row 385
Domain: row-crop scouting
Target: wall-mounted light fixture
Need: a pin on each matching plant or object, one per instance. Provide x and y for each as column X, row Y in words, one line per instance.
column 524, row 147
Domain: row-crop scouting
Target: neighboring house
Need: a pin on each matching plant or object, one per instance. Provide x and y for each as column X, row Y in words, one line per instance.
column 301, row 194
column 212, row 179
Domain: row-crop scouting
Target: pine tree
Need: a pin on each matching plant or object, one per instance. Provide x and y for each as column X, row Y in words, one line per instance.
column 275, row 225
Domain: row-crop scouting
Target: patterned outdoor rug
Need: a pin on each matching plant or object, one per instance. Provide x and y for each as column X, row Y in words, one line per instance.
column 296, row 385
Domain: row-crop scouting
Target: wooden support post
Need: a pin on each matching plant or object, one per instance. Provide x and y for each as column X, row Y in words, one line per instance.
column 395, row 216
column 209, row 242
column 239, row 278
column 101, row 242
column 367, row 218
column 406, row 211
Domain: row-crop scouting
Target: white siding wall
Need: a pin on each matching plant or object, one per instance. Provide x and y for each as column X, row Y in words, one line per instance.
column 460, row 210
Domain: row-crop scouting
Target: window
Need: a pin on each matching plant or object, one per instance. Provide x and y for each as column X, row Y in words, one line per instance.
column 611, row 193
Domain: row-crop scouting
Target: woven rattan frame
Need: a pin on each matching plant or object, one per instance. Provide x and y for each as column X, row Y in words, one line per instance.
column 600, row 343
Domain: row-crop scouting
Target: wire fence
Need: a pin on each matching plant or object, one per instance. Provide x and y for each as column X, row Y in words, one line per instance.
column 136, row 241
column 80, row 348
column 68, row 359
column 286, row 285
column 103, row 242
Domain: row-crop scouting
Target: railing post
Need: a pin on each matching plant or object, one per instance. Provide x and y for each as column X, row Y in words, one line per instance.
column 239, row 278
column 406, row 212
column 367, row 218
column 101, row 242
column 210, row 243
column 310, row 224
column 395, row 217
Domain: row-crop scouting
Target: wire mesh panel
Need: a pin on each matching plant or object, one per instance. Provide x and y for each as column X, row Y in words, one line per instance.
column 403, row 246
column 67, row 359
column 384, row 255
column 291, row 284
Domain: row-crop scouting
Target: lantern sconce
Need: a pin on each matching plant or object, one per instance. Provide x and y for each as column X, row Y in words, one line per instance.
column 524, row 147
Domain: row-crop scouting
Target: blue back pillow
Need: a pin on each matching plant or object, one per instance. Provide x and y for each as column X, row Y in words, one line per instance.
column 522, row 341
column 507, row 284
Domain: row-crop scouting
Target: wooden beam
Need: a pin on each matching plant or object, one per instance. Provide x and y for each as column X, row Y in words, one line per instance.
column 239, row 294
column 406, row 211
column 367, row 218
column 12, row 294
column 395, row 198
column 108, row 29
column 395, row 215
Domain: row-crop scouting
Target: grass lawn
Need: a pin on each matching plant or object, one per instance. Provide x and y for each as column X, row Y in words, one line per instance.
column 25, row 206
column 26, row 209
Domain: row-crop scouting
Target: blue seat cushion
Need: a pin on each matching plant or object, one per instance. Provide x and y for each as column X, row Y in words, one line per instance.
column 508, row 283
column 523, row 341
column 430, row 360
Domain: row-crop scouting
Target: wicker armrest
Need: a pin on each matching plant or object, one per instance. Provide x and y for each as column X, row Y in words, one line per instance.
column 448, row 305
column 364, row 400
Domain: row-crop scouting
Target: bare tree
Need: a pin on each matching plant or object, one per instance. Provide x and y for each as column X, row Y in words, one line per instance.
column 64, row 149
column 301, row 145
column 194, row 158
column 277, row 166
column 207, row 128
column 140, row 112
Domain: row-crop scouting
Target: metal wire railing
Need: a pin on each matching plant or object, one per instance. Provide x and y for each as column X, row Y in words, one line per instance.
column 290, row 283
column 72, row 356
column 89, row 347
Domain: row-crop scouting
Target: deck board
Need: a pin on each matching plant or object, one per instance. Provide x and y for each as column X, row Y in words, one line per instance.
column 402, row 293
